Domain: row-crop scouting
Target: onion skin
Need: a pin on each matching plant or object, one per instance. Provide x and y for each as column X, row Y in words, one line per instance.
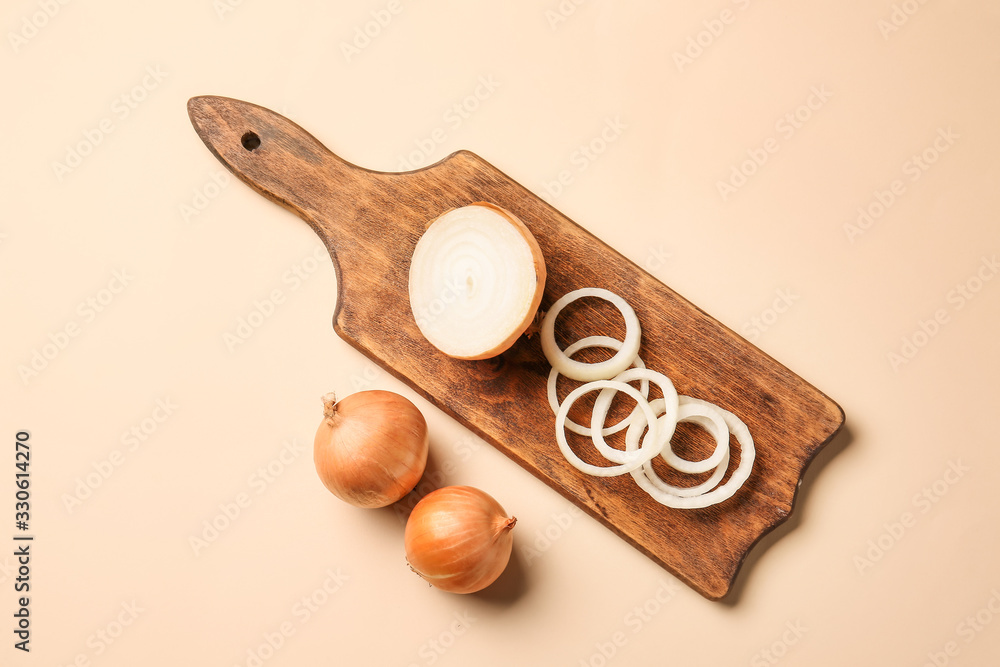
column 459, row 539
column 371, row 447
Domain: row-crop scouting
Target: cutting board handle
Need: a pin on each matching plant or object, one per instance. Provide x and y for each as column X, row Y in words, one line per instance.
column 286, row 164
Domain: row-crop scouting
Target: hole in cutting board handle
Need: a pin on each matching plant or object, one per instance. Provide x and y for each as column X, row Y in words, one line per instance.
column 250, row 141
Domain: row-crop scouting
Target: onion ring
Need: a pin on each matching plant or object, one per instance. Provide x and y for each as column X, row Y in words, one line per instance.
column 724, row 492
column 578, row 370
column 666, row 424
column 639, row 456
column 611, row 344
column 716, row 427
column 712, row 481
column 687, row 410
column 612, row 376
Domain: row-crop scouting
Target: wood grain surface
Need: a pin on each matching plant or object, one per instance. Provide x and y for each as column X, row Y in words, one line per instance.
column 370, row 222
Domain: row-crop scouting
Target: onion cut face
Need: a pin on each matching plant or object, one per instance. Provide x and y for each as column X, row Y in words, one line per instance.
column 476, row 280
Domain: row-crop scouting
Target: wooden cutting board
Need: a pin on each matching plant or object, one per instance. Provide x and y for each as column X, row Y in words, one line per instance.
column 370, row 222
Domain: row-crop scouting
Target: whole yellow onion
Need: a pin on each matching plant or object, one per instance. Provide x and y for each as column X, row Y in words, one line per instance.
column 371, row 447
column 459, row 539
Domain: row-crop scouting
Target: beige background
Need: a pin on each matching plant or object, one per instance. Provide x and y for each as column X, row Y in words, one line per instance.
column 146, row 251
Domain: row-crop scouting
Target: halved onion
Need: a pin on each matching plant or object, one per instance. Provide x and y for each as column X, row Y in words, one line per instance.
column 476, row 280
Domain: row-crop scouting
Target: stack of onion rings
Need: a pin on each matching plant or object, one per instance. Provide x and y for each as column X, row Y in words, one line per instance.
column 658, row 418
